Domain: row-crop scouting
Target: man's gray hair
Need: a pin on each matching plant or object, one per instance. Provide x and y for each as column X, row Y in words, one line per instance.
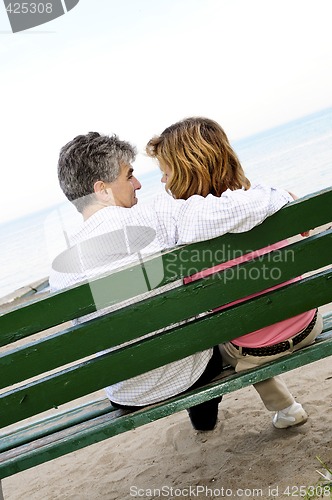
column 90, row 158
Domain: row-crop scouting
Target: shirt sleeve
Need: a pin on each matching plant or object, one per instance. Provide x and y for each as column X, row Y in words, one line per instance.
column 236, row 211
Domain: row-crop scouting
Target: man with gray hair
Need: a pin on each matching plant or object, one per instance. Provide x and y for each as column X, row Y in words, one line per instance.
column 89, row 163
column 96, row 174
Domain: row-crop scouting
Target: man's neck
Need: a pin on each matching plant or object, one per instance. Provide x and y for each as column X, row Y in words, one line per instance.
column 91, row 210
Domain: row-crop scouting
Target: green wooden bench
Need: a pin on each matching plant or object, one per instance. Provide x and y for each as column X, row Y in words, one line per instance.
column 35, row 376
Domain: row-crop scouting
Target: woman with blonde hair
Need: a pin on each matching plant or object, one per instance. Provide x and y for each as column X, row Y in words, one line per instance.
column 196, row 158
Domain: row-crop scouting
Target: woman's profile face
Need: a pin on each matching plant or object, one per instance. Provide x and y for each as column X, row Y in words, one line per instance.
column 166, row 175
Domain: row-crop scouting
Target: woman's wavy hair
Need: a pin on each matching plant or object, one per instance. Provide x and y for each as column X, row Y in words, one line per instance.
column 200, row 157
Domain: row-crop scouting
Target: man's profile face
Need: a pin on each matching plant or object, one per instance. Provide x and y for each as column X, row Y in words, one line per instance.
column 124, row 188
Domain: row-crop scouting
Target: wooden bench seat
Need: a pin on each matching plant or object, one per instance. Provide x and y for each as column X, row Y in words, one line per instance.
column 55, row 369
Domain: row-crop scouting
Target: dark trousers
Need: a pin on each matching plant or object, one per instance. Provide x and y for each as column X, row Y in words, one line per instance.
column 204, row 415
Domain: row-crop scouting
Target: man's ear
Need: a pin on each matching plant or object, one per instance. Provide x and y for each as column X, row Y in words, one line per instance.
column 101, row 192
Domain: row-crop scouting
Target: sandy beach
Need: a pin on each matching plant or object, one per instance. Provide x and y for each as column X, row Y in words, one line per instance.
column 244, row 457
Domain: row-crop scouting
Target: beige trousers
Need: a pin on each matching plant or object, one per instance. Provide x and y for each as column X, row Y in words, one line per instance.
column 273, row 391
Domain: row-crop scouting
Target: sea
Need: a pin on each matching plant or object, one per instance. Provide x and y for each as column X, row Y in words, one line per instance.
column 296, row 156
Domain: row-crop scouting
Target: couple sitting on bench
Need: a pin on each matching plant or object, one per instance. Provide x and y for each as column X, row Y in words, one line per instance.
column 209, row 196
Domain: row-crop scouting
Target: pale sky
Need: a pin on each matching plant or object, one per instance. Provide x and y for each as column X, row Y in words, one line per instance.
column 133, row 67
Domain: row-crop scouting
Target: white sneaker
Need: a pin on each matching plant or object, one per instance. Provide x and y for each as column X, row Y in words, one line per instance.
column 290, row 416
